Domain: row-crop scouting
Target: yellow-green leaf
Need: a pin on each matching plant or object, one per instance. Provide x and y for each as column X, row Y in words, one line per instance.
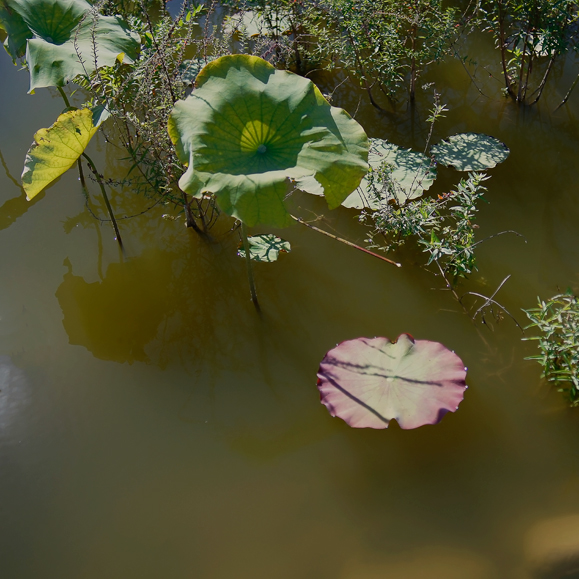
column 56, row 149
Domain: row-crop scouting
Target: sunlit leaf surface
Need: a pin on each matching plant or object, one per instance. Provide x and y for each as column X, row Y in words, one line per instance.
column 56, row 149
column 252, row 134
column 265, row 247
column 369, row 381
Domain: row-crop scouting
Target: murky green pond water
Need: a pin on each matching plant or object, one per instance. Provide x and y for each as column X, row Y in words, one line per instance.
column 152, row 425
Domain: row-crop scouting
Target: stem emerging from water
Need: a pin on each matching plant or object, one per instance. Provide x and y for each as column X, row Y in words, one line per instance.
column 105, row 197
column 249, row 267
column 299, row 220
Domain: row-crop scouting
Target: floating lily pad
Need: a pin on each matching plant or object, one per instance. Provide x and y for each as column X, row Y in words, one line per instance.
column 59, row 37
column 252, row 134
column 411, row 174
column 470, row 152
column 369, row 381
column 56, row 149
column 265, row 247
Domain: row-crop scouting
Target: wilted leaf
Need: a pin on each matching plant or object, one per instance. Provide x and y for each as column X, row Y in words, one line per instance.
column 265, row 247
column 251, row 134
column 411, row 174
column 56, row 149
column 369, row 381
column 470, row 152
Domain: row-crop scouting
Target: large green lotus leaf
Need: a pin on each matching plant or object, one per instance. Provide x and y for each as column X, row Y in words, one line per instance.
column 411, row 174
column 470, row 152
column 56, row 149
column 54, row 65
column 58, row 35
column 250, row 134
column 369, row 381
column 265, row 247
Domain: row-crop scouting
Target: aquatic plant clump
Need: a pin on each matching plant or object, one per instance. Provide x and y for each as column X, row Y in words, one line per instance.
column 251, row 134
column 369, row 381
column 557, row 319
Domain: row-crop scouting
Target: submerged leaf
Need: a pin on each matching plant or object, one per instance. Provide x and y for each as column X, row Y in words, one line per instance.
column 368, row 382
column 56, row 150
column 250, row 134
column 265, row 247
column 411, row 174
column 470, row 152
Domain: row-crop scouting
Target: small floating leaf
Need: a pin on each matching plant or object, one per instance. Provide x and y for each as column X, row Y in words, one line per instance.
column 412, row 173
column 265, row 247
column 369, row 381
column 56, row 149
column 470, row 152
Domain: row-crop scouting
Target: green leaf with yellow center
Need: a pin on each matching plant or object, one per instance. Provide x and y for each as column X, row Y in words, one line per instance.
column 252, row 134
column 56, row 149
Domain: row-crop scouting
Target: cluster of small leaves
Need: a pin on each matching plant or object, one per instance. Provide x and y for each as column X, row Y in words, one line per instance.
column 530, row 35
column 557, row 320
column 443, row 226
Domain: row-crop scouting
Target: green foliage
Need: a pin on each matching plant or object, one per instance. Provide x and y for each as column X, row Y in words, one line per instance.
column 61, row 38
column 251, row 134
column 530, row 35
column 444, row 226
column 385, row 44
column 557, row 320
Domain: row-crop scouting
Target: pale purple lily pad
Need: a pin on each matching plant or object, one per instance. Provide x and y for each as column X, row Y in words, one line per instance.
column 369, row 381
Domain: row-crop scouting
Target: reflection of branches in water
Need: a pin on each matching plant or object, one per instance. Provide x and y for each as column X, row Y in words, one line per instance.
column 489, row 305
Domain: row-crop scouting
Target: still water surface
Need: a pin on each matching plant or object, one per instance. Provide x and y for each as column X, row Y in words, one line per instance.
column 152, row 425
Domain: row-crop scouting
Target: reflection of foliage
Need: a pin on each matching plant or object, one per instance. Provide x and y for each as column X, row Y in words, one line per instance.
column 443, row 226
column 557, row 320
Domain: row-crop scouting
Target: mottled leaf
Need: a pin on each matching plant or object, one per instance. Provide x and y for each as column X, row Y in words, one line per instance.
column 369, row 381
column 265, row 247
column 470, row 152
column 56, row 149
column 409, row 174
